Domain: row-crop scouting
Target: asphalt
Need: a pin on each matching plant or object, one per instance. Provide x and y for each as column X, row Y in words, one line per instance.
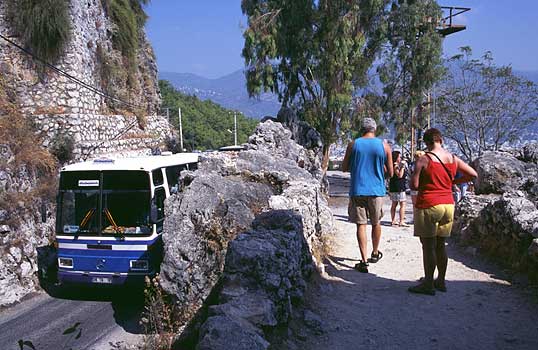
column 76, row 318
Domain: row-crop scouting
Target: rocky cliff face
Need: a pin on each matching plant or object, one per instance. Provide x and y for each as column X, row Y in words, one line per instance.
column 502, row 219
column 252, row 223
column 89, row 56
column 26, row 186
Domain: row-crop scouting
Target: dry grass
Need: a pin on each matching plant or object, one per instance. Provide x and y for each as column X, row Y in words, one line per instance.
column 27, row 156
column 160, row 319
column 322, row 248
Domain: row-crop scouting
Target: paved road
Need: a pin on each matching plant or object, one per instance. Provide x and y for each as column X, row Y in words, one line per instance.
column 105, row 315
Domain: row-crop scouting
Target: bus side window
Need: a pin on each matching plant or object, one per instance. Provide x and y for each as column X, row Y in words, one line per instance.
column 160, row 196
column 172, row 175
column 157, row 177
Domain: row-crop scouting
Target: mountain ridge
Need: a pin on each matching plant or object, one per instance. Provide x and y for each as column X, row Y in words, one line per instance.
column 229, row 91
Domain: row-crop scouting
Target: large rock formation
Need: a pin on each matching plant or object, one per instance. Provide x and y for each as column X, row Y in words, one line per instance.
column 502, row 219
column 499, row 172
column 253, row 221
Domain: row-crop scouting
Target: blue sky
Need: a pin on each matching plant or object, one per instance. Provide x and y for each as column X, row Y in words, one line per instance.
column 204, row 37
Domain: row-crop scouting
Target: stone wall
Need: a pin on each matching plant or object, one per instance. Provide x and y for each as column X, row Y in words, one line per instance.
column 52, row 93
column 96, row 135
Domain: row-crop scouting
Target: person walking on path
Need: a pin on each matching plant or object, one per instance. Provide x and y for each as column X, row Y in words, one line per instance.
column 414, row 193
column 368, row 159
column 397, row 184
column 434, row 209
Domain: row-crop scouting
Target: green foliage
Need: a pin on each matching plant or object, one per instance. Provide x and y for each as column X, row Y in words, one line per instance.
column 205, row 124
column 44, row 26
column 129, row 18
column 413, row 63
column 482, row 106
column 62, row 147
column 313, row 54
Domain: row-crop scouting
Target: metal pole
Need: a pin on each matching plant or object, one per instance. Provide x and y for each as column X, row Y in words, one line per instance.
column 429, row 108
column 412, row 131
column 235, row 128
column 180, row 130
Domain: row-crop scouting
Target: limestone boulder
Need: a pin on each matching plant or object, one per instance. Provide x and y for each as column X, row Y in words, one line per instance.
column 499, row 172
column 303, row 146
column 227, row 333
column 529, row 153
column 502, row 227
column 244, row 229
column 200, row 222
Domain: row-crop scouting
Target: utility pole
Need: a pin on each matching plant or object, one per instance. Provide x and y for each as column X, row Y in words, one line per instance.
column 413, row 136
column 235, row 128
column 180, row 130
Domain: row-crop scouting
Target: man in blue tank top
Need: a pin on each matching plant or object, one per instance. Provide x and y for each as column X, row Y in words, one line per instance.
column 370, row 160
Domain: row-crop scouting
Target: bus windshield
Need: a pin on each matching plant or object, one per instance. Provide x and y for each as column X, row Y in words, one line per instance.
column 104, row 203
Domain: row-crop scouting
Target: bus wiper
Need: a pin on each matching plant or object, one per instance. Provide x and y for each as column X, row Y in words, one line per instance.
column 86, row 219
column 108, row 215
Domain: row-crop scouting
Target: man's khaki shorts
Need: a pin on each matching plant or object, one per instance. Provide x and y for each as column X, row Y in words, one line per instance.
column 435, row 221
column 362, row 208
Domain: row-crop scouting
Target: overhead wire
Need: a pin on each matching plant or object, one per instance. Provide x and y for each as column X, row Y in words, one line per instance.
column 67, row 75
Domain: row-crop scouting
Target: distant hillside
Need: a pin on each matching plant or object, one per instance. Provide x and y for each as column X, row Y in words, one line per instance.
column 206, row 125
column 229, row 91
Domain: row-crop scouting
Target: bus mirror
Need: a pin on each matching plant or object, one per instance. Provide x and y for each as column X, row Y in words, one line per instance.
column 154, row 213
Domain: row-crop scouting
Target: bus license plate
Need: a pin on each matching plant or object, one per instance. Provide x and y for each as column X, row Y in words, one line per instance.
column 106, row 280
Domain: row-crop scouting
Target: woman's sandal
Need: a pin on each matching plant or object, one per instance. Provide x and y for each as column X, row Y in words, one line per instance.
column 421, row 289
column 361, row 266
column 439, row 286
column 375, row 257
column 403, row 224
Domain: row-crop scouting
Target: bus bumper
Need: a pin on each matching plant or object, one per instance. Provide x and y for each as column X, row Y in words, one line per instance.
column 102, row 278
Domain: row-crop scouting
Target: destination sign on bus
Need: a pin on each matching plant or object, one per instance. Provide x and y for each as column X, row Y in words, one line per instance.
column 88, row 183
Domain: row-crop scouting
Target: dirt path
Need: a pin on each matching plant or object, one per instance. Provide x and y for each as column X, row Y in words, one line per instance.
column 481, row 309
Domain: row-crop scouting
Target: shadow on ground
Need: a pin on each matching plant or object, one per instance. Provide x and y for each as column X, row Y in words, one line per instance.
column 373, row 312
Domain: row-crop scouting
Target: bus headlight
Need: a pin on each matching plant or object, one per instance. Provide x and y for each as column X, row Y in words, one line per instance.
column 139, row 265
column 65, row 263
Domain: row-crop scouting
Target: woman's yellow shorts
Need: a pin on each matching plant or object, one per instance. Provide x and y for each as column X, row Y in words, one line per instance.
column 434, row 221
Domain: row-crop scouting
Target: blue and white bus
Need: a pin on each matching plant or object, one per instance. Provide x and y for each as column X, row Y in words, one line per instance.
column 110, row 217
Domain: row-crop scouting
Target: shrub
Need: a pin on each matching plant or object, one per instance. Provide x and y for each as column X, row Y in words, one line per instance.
column 172, row 144
column 129, row 18
column 159, row 317
column 44, row 26
column 62, row 147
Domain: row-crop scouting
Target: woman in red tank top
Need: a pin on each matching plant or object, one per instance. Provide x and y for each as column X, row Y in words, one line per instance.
column 434, row 209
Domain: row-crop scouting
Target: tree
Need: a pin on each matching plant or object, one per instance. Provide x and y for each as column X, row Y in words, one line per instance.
column 483, row 106
column 412, row 62
column 205, row 123
column 314, row 54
